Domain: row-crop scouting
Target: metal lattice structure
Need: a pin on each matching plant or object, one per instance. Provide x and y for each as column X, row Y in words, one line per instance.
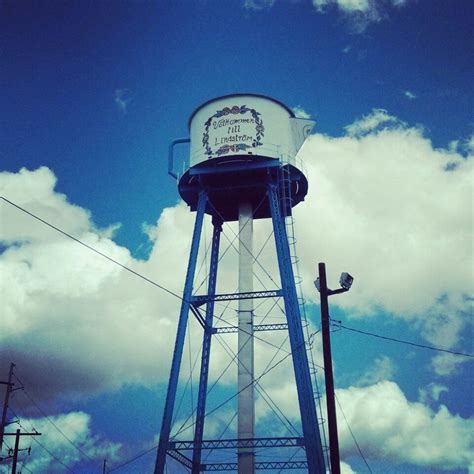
column 207, row 188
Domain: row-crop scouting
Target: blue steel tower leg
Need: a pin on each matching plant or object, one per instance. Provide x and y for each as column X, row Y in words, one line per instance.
column 180, row 336
column 309, row 421
column 206, row 346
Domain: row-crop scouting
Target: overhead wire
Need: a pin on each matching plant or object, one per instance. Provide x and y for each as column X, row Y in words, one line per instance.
column 43, row 413
column 185, row 388
column 69, row 469
column 237, row 235
column 352, row 434
column 128, row 461
column 24, row 467
column 233, row 356
column 148, row 280
column 265, row 396
column 393, row 339
column 52, row 455
column 243, row 388
column 128, row 269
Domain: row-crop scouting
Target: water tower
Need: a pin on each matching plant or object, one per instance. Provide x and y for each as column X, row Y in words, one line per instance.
column 242, row 167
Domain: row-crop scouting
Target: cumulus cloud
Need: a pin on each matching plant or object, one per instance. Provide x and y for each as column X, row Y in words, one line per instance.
column 71, row 307
column 359, row 13
column 301, row 113
column 70, row 447
column 381, row 205
column 388, row 426
column 372, row 122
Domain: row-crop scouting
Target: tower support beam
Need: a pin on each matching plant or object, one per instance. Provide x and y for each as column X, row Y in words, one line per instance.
column 206, row 348
column 180, row 337
column 309, row 421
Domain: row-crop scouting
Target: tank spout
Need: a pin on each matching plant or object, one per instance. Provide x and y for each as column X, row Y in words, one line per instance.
column 300, row 130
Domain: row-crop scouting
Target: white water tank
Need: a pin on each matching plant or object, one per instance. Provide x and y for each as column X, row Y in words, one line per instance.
column 245, row 124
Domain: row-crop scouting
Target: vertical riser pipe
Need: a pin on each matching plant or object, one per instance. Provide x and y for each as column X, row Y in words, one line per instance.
column 246, row 397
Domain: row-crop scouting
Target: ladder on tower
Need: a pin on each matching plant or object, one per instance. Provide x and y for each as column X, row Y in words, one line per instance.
column 285, row 196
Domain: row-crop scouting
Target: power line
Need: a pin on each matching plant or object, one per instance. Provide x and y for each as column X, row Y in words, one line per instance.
column 207, row 414
column 38, row 407
column 393, row 339
column 105, row 256
column 133, row 459
column 44, row 447
column 148, row 280
column 91, row 248
column 52, row 455
column 353, row 436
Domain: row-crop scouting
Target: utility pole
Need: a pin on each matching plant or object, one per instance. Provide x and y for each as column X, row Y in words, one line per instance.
column 325, row 292
column 17, row 446
column 15, row 452
column 8, row 391
column 104, row 467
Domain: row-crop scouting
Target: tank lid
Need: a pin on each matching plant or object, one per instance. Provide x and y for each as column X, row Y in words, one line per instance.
column 239, row 95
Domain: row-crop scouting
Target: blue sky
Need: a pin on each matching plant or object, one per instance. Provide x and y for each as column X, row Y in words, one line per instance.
column 93, row 92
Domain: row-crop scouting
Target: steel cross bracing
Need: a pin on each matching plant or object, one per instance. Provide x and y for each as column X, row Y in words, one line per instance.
column 258, row 466
column 257, row 327
column 310, row 441
column 201, row 299
column 239, row 443
column 185, row 461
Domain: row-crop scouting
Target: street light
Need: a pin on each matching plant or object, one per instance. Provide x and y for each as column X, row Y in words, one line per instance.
column 346, row 280
column 321, row 285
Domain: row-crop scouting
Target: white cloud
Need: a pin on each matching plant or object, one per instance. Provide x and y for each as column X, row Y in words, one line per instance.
column 382, row 207
column 353, row 5
column 258, row 4
column 465, row 146
column 74, row 307
column 388, row 426
column 383, row 369
column 409, row 95
column 372, row 122
column 76, row 427
column 432, row 393
column 347, row 469
column 448, row 364
column 359, row 13
column 300, row 112
column 121, row 99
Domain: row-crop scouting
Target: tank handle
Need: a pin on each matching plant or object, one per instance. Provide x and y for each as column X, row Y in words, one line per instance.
column 171, row 155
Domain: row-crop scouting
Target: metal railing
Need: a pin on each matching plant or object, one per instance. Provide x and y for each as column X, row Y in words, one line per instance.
column 177, row 168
